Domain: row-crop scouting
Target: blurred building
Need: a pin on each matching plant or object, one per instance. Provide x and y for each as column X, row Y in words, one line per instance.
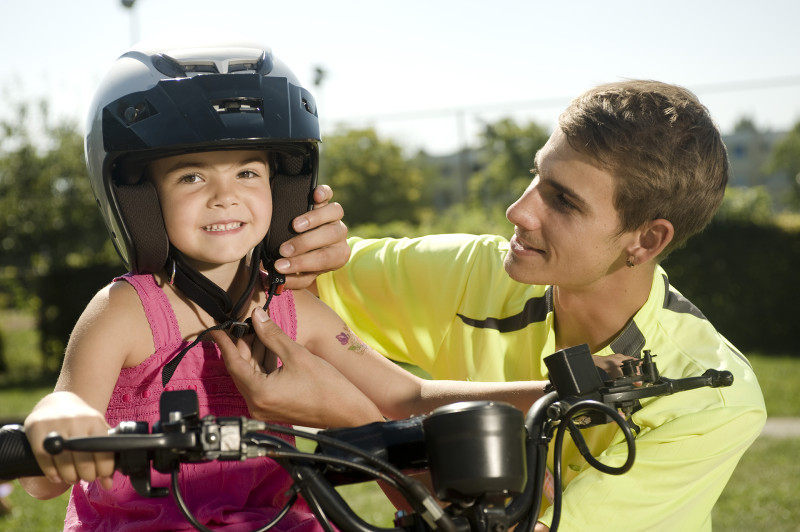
column 749, row 150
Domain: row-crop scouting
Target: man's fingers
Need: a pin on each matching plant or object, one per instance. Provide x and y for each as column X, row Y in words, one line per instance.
column 321, row 215
column 237, row 361
column 322, row 195
column 273, row 338
column 326, row 235
column 316, row 262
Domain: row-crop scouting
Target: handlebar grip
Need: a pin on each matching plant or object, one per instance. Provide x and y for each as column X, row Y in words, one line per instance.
column 16, row 457
column 719, row 378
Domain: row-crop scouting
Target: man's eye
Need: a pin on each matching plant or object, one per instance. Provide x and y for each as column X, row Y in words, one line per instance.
column 248, row 174
column 564, row 203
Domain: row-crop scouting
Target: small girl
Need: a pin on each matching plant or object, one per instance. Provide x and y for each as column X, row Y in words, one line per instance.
column 200, row 154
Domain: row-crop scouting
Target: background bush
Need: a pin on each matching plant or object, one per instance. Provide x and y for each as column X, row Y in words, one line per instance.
column 744, row 278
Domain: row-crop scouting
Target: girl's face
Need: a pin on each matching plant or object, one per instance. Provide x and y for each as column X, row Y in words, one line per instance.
column 217, row 205
column 566, row 228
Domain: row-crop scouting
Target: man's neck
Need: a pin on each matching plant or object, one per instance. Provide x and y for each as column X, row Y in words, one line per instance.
column 596, row 315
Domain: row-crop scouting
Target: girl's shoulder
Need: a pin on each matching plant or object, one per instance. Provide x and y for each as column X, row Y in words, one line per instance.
column 115, row 317
column 314, row 317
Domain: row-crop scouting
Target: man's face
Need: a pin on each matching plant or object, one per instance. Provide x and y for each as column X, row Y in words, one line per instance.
column 566, row 229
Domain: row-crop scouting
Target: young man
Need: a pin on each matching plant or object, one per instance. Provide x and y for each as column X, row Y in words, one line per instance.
column 632, row 171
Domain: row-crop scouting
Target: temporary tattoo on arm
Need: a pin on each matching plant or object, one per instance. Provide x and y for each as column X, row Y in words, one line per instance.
column 349, row 339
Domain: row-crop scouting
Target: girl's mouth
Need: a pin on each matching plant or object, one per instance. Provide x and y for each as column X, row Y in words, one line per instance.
column 222, row 227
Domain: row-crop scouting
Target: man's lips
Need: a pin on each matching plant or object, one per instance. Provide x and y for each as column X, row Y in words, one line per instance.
column 519, row 245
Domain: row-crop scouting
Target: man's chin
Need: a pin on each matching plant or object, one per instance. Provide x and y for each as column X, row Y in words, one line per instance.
column 515, row 269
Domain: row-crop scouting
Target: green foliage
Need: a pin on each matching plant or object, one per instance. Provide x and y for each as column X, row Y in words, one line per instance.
column 3, row 363
column 48, row 216
column 786, row 157
column 746, row 205
column 60, row 308
column 372, row 178
column 506, row 158
column 743, row 277
column 455, row 219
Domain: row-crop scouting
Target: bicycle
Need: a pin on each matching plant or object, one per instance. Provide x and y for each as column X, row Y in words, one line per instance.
column 486, row 459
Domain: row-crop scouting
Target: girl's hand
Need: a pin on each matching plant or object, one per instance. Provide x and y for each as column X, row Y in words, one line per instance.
column 305, row 390
column 321, row 245
column 68, row 415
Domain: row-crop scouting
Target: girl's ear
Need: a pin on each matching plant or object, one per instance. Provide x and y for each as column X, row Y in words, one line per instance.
column 653, row 237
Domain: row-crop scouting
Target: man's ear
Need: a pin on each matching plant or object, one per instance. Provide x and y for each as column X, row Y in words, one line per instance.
column 653, row 238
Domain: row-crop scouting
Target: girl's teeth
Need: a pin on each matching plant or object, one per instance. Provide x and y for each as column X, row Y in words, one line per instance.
column 223, row 227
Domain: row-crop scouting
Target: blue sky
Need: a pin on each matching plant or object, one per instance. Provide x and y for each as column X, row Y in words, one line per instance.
column 428, row 72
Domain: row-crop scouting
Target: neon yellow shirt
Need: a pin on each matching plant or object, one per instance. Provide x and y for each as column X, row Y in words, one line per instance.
column 444, row 303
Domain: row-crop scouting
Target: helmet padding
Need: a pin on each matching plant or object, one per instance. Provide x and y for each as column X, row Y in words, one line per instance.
column 141, row 215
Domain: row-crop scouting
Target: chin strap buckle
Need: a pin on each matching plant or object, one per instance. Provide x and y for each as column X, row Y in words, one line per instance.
column 238, row 329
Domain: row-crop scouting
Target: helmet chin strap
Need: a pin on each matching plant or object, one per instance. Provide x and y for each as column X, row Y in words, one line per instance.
column 215, row 301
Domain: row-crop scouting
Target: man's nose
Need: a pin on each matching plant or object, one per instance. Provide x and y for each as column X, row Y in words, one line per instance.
column 525, row 211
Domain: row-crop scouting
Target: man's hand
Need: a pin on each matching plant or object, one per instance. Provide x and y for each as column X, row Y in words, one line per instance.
column 611, row 364
column 321, row 245
column 305, row 390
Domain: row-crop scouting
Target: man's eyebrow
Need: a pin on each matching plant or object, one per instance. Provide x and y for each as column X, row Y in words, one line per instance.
column 567, row 191
column 547, row 180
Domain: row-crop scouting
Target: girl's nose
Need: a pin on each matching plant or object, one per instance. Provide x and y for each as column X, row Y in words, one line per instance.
column 223, row 194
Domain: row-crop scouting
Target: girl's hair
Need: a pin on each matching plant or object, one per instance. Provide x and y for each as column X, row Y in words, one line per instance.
column 662, row 146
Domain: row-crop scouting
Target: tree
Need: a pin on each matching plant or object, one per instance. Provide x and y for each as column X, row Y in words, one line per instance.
column 786, row 157
column 506, row 158
column 54, row 249
column 48, row 216
column 372, row 178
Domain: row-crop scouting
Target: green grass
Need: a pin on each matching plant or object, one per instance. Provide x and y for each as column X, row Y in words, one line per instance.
column 760, row 496
column 779, row 377
column 762, row 493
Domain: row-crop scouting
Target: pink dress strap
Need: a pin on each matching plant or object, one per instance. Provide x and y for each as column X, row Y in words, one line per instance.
column 157, row 308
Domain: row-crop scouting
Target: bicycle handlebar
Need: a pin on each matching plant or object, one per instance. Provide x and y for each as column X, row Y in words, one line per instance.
column 480, row 454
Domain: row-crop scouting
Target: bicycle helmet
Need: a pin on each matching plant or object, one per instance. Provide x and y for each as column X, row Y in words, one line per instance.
column 164, row 98
column 159, row 99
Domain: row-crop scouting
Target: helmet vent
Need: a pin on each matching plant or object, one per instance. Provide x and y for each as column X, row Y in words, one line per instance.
column 187, row 67
column 238, row 105
column 308, row 105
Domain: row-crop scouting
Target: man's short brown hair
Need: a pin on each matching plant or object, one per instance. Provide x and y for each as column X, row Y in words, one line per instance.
column 662, row 146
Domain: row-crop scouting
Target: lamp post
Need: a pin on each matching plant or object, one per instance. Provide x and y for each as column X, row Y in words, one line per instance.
column 134, row 29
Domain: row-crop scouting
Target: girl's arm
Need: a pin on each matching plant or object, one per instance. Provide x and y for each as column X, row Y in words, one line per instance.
column 305, row 390
column 102, row 338
column 396, row 392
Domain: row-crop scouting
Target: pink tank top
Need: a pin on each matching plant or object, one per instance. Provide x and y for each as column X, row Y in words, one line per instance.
column 222, row 495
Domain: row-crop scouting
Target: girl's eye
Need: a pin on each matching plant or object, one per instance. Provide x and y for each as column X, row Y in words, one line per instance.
column 189, row 178
column 248, row 174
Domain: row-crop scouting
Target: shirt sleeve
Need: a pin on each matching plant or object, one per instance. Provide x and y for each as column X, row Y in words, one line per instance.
column 401, row 295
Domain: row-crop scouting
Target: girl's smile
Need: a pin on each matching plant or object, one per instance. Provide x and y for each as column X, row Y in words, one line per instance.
column 217, row 205
column 222, row 227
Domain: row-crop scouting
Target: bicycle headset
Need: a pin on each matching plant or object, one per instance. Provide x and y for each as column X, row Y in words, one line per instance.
column 160, row 99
